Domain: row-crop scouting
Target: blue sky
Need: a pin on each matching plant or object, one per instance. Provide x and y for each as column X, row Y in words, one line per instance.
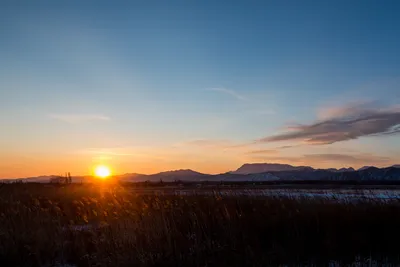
column 133, row 82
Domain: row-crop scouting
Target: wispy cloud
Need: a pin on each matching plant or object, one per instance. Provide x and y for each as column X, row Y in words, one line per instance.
column 105, row 152
column 265, row 112
column 116, row 150
column 209, row 143
column 345, row 123
column 229, row 92
column 328, row 112
column 263, row 152
column 286, row 147
column 78, row 118
column 219, row 144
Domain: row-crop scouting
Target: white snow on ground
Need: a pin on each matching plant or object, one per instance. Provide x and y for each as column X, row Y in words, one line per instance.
column 336, row 195
column 344, row 195
column 84, row 227
column 60, row 265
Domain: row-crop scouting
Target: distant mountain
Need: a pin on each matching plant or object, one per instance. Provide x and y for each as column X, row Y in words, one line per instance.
column 47, row 178
column 269, row 167
column 293, row 174
column 341, row 170
column 180, row 173
column 249, row 172
column 168, row 176
column 130, row 177
column 365, row 167
column 383, row 174
column 38, row 179
column 346, row 169
column 255, row 177
column 368, row 174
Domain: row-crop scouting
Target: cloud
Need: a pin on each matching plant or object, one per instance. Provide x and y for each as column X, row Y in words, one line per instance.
column 229, row 92
column 263, row 152
column 286, row 147
column 220, row 144
column 78, row 118
column 266, row 112
column 346, row 123
column 209, row 143
column 109, row 153
column 340, row 111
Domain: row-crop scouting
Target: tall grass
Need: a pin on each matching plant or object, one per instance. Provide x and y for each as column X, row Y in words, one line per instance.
column 111, row 225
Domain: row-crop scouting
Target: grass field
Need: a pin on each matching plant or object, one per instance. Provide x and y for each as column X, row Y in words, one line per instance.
column 112, row 225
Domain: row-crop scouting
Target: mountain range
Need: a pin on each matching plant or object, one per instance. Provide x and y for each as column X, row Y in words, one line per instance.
column 251, row 172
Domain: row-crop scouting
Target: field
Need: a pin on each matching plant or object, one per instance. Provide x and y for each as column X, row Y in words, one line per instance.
column 114, row 225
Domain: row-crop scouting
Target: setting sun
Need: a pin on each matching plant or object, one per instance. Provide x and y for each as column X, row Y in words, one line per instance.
column 102, row 171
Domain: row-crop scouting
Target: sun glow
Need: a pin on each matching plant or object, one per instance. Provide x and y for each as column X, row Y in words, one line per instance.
column 102, row 171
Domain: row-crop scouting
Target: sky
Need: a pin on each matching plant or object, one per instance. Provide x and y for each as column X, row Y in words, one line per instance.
column 149, row 86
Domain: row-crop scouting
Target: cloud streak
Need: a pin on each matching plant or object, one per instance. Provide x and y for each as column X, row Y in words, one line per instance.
column 215, row 144
column 229, row 92
column 347, row 123
column 79, row 118
column 103, row 152
column 263, row 152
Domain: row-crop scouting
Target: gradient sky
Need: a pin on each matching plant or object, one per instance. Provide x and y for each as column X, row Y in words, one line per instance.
column 149, row 86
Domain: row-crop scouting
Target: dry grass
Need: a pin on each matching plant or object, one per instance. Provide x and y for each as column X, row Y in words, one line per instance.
column 110, row 225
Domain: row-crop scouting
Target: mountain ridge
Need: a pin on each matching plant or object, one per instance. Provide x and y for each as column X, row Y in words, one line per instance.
column 251, row 168
column 274, row 172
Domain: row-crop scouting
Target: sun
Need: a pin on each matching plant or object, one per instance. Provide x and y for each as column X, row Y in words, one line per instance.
column 102, row 171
